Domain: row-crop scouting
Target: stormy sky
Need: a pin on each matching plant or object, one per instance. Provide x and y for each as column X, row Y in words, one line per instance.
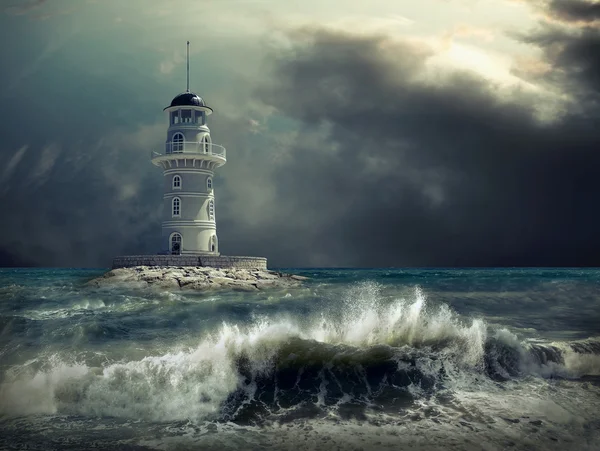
column 367, row 134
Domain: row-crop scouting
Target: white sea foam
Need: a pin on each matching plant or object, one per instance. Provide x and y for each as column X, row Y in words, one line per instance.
column 366, row 322
column 582, row 364
column 86, row 306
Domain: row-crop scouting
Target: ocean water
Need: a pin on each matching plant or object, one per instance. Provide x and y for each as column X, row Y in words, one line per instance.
column 387, row 359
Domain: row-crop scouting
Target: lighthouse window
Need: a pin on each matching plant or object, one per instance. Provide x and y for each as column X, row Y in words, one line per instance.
column 174, row 117
column 200, row 117
column 177, row 143
column 209, row 183
column 186, row 116
column 211, row 210
column 176, row 206
column 176, row 182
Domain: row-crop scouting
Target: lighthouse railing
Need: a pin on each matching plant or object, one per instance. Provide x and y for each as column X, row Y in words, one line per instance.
column 192, row 148
column 195, row 147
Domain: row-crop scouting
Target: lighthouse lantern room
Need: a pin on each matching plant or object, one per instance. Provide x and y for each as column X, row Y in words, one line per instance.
column 188, row 163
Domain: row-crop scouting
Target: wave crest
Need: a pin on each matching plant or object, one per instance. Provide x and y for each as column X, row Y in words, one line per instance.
column 367, row 353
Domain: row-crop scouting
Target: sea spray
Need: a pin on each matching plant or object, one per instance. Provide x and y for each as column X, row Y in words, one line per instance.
column 369, row 347
column 400, row 347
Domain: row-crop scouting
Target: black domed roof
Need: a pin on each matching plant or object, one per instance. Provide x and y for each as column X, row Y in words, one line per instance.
column 187, row 99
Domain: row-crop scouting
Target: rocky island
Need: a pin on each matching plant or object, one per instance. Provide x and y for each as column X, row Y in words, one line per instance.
column 198, row 278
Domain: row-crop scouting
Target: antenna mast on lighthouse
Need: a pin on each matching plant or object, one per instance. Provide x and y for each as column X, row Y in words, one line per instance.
column 188, row 67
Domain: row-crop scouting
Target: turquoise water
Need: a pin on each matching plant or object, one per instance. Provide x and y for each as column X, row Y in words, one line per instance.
column 367, row 359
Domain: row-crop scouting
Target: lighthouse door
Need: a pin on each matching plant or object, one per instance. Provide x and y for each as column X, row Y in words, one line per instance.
column 176, row 244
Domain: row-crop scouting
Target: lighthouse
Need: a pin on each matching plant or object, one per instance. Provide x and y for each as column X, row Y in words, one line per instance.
column 188, row 162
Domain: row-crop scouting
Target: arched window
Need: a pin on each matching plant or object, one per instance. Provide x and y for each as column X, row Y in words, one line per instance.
column 175, row 243
column 205, row 144
column 176, row 204
column 177, row 146
column 211, row 210
column 176, row 182
column 213, row 243
column 209, row 183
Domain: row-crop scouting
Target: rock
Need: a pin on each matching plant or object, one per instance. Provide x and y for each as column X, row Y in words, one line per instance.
column 267, row 276
column 511, row 420
column 198, row 278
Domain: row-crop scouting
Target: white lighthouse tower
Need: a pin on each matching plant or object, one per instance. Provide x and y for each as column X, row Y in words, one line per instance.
column 188, row 163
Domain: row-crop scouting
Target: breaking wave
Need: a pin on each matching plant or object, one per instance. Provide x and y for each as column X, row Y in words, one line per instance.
column 366, row 354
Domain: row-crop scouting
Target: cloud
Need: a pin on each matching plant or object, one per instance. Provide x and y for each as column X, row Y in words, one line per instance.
column 31, row 68
column 351, row 149
column 24, row 7
column 13, row 162
column 80, row 203
column 167, row 65
column 45, row 163
column 468, row 31
column 574, row 10
column 415, row 171
column 33, row 8
column 572, row 53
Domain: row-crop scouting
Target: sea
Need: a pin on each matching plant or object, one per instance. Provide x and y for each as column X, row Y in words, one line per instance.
column 353, row 359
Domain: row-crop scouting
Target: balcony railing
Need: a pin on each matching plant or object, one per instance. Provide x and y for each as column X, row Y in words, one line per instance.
column 195, row 148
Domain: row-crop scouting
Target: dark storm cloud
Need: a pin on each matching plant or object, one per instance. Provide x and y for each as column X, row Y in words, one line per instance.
column 572, row 45
column 574, row 10
column 574, row 57
column 62, row 208
column 431, row 174
column 71, row 183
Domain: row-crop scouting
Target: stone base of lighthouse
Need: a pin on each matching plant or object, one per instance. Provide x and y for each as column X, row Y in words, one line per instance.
column 213, row 261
